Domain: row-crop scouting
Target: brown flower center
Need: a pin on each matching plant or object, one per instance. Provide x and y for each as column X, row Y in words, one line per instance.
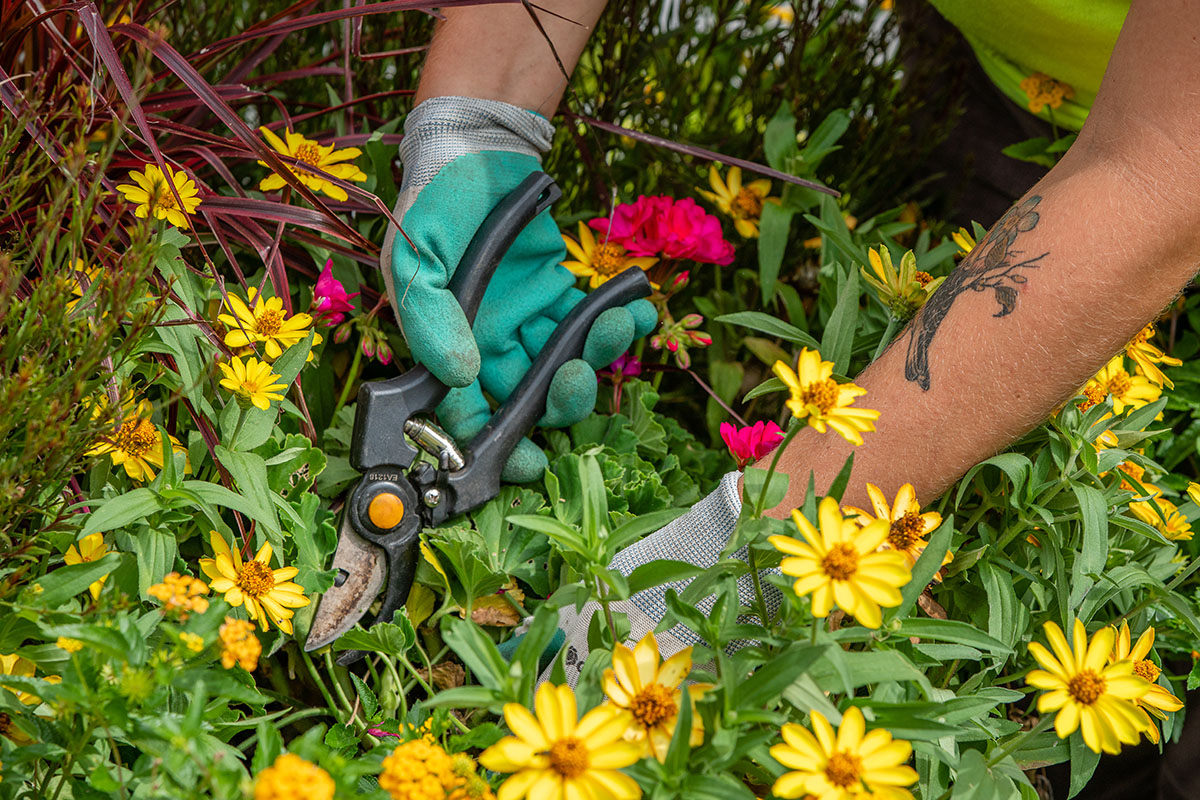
column 905, row 531
column 1093, row 396
column 136, row 437
column 1086, row 687
column 822, row 394
column 1119, row 383
column 747, row 204
column 568, row 757
column 1147, row 670
column 309, row 154
column 269, row 321
column 841, row 562
column 922, row 277
column 608, row 258
column 653, row 704
column 256, row 578
column 842, row 769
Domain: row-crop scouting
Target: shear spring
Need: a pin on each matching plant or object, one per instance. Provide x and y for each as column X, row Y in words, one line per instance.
column 435, row 441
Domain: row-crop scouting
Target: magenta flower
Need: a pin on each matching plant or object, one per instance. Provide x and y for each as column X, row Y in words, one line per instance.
column 379, row 733
column 669, row 228
column 752, row 442
column 624, row 368
column 330, row 300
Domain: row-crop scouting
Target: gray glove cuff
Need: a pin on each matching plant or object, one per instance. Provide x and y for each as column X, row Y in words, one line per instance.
column 441, row 129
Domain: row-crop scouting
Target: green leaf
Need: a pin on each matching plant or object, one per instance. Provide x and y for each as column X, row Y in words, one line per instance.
column 656, row 573
column 156, row 552
column 1031, row 150
column 838, row 339
column 478, row 652
column 1083, row 763
column 249, row 471
column 393, row 638
column 634, row 529
column 823, row 141
column 464, row 697
column 779, row 139
column 773, row 229
column 370, row 702
column 771, row 679
column 268, row 747
column 99, row 638
column 218, row 495
column 122, row 510
column 479, row 737
column 758, row 321
column 66, row 582
column 949, row 630
column 754, row 481
column 766, row 387
column 340, row 736
column 1093, row 513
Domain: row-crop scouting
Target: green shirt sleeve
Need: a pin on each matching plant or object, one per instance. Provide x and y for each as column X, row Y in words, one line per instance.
column 1069, row 40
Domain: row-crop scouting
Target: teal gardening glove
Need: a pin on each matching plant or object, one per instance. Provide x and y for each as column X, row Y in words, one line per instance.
column 461, row 156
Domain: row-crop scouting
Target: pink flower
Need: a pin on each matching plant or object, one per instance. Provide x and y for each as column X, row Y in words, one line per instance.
column 379, row 733
column 624, row 368
column 751, row 442
column 330, row 300
column 663, row 226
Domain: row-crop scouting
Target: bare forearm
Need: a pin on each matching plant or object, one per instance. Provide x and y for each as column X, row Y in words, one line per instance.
column 496, row 52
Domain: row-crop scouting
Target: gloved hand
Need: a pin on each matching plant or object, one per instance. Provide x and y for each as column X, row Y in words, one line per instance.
column 697, row 538
column 461, row 156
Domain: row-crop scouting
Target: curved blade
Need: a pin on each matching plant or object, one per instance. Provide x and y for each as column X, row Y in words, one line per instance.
column 364, row 568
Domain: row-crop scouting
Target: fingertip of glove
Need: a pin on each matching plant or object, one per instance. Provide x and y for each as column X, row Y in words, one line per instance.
column 527, row 463
column 645, row 317
column 456, row 367
column 572, row 394
column 610, row 336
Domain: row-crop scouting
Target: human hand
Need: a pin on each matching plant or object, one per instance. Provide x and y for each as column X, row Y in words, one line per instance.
column 462, row 156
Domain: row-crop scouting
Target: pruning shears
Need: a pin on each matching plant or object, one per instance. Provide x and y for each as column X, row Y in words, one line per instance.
column 399, row 494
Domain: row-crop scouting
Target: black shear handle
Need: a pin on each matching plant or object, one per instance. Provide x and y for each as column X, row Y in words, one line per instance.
column 384, row 406
column 479, row 480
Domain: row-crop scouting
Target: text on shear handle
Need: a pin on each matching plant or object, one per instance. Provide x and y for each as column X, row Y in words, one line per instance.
column 383, row 476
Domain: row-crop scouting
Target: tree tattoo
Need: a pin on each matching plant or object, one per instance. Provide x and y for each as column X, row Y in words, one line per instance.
column 993, row 264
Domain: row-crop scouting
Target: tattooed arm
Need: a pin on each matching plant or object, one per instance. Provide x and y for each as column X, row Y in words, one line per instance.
column 1064, row 280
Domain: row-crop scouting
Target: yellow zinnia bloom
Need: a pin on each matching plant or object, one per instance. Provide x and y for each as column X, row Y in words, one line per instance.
column 741, row 202
column 815, row 395
column 554, row 757
column 266, row 593
column 846, row 763
column 265, row 322
column 650, row 691
column 907, row 526
column 313, row 154
column 252, row 382
column 1171, row 523
column 1193, row 492
column 1086, row 690
column 841, row 563
column 1128, row 391
column 903, row 292
column 136, row 443
column 19, row 667
column 1158, row 700
column 599, row 261
column 964, row 240
column 1148, row 357
column 90, row 548
column 152, row 194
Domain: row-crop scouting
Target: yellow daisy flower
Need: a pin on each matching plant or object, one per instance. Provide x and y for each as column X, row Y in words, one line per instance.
column 313, row 154
column 152, row 195
column 1128, row 391
column 136, row 443
column 903, row 292
column 1171, row 523
column 964, row 240
column 555, row 758
column 841, row 563
column 1158, row 700
column 815, row 395
column 265, row 322
column 907, row 526
column 1087, row 691
column 290, row 777
column 19, row 667
column 1148, row 357
column 741, row 202
column 650, row 691
column 1193, row 492
column 252, row 382
column 90, row 548
column 846, row 763
column 599, row 261
column 266, row 593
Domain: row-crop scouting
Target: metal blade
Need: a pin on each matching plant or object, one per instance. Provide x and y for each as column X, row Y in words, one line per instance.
column 364, row 568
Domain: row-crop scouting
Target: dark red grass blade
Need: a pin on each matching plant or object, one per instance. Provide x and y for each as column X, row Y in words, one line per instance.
column 700, row 152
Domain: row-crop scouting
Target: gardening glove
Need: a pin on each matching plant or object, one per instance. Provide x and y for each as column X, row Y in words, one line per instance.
column 698, row 538
column 461, row 156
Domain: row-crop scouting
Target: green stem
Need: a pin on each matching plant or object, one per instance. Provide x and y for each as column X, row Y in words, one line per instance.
column 400, row 687
column 813, row 639
column 888, row 333
column 658, row 376
column 1017, row 741
column 337, row 685
column 351, row 377
column 602, row 596
column 316, row 676
column 243, row 412
column 759, row 601
column 762, row 496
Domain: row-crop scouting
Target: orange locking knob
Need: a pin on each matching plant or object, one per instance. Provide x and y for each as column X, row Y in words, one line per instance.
column 385, row 510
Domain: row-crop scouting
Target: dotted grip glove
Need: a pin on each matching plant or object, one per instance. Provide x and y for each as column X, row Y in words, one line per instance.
column 461, row 156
